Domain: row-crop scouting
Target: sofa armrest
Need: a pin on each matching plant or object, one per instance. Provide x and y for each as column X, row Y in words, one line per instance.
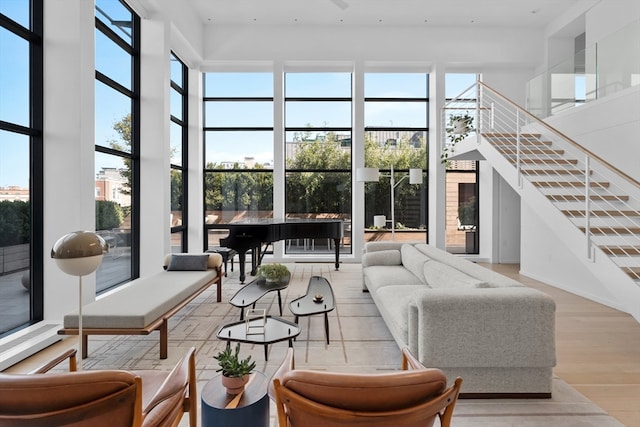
column 382, row 257
column 69, row 354
column 500, row 327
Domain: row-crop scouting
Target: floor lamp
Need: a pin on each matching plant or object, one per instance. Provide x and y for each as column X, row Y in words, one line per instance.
column 79, row 254
column 373, row 175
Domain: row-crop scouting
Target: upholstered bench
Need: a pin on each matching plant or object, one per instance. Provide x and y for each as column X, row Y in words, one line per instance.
column 146, row 304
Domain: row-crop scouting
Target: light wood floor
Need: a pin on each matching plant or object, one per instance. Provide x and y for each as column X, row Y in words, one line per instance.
column 598, row 350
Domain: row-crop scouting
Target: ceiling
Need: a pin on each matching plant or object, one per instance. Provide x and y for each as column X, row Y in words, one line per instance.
column 482, row 13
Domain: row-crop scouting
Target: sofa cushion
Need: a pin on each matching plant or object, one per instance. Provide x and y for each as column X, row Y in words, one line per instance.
column 188, row 262
column 378, row 276
column 491, row 278
column 386, row 257
column 413, row 260
column 440, row 275
column 394, row 303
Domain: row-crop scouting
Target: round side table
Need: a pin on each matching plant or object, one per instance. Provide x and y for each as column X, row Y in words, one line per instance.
column 252, row 410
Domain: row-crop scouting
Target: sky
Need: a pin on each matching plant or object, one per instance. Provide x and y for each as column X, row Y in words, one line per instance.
column 112, row 106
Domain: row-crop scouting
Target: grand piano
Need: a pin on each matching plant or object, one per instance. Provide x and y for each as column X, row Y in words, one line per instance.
column 251, row 234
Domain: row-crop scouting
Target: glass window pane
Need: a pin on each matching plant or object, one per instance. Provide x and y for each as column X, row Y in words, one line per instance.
column 116, row 16
column 238, row 114
column 228, row 194
column 176, row 71
column 14, row 161
column 17, row 10
column 252, row 85
column 176, row 197
column 113, row 218
column 456, row 83
column 176, row 103
column 112, row 60
column 113, row 118
column 176, row 144
column 239, row 149
column 176, row 242
column 14, row 78
column 396, row 114
column 318, row 114
column 318, row 193
column 318, row 85
column 395, row 85
column 402, row 149
column 318, row 151
column 15, row 227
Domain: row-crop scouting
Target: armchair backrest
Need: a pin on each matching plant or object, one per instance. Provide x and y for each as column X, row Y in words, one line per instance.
column 405, row 398
column 89, row 398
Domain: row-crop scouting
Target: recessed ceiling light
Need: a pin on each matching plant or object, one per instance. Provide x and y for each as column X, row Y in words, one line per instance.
column 379, row 20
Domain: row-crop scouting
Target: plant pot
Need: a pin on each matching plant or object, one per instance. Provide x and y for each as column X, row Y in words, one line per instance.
column 234, row 385
column 460, row 127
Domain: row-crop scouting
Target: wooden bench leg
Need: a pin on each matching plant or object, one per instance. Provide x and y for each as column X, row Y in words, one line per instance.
column 164, row 338
column 85, row 344
column 219, row 290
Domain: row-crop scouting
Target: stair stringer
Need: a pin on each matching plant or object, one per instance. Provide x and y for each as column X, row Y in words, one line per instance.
column 616, row 289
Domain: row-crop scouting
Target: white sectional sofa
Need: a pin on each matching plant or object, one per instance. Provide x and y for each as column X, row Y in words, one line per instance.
column 469, row 321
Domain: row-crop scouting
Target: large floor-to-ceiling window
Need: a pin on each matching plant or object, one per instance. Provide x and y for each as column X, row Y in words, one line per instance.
column 318, row 152
column 117, row 137
column 462, row 195
column 396, row 128
column 21, row 293
column 238, row 149
column 178, row 156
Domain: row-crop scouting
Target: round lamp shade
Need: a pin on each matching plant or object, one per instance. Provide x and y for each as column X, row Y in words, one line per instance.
column 79, row 253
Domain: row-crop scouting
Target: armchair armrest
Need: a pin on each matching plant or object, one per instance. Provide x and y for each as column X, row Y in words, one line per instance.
column 181, row 380
column 69, row 354
column 288, row 364
column 409, row 361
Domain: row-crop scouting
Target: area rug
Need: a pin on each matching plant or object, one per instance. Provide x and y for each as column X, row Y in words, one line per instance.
column 359, row 342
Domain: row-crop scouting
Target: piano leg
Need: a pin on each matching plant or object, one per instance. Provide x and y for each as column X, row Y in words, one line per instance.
column 241, row 258
column 336, row 244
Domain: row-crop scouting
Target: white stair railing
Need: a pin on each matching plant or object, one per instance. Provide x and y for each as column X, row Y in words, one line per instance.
column 599, row 199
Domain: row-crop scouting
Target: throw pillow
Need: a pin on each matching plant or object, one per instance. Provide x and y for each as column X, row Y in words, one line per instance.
column 184, row 262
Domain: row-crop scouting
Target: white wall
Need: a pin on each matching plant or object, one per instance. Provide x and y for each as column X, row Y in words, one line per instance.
column 69, row 177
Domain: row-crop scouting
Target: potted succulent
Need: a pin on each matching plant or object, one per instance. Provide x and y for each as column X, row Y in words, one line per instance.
column 273, row 272
column 458, row 128
column 235, row 372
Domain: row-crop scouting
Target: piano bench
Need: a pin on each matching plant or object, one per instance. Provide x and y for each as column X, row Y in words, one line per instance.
column 227, row 255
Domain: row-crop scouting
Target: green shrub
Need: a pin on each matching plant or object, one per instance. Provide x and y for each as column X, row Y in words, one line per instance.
column 108, row 215
column 14, row 222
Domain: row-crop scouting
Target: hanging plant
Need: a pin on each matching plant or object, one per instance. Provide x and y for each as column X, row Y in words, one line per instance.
column 458, row 128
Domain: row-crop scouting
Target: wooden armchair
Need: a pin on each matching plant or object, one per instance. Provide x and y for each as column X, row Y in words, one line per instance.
column 99, row 398
column 413, row 397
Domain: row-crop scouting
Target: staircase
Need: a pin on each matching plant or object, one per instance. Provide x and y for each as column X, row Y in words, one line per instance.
column 593, row 203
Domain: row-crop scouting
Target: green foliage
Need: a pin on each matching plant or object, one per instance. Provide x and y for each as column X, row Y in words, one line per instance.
column 231, row 365
column 458, row 128
column 14, row 222
column 273, row 271
column 176, row 190
column 123, row 128
column 468, row 212
column 108, row 215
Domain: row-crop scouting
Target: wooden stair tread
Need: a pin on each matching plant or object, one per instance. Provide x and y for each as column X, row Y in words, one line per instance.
column 599, row 213
column 579, row 198
column 621, row 250
column 579, row 184
column 613, row 230
column 546, row 161
column 633, row 272
column 511, row 150
column 552, row 172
